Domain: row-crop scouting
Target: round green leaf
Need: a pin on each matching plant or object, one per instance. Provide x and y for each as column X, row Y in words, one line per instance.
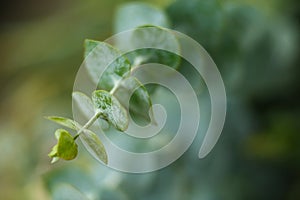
column 102, row 59
column 134, row 96
column 66, row 147
column 110, row 109
column 86, row 107
column 154, row 45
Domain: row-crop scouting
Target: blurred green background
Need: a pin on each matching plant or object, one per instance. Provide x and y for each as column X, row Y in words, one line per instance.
column 254, row 43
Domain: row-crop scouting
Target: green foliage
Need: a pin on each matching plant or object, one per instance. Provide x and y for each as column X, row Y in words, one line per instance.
column 64, row 121
column 85, row 104
column 111, row 71
column 110, row 109
column 149, row 41
column 119, row 90
column 98, row 56
column 257, row 158
column 254, row 55
column 94, row 146
column 134, row 96
column 66, row 147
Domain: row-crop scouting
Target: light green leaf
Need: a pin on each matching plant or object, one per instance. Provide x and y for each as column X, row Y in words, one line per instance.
column 134, row 96
column 105, row 65
column 84, row 103
column 65, row 122
column 132, row 15
column 86, row 107
column 110, row 109
column 66, row 147
column 94, row 146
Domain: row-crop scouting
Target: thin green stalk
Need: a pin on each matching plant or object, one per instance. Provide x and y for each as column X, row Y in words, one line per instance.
column 88, row 124
column 114, row 89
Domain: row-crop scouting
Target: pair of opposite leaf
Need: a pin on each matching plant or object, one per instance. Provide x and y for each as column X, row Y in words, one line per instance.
column 66, row 147
column 109, row 106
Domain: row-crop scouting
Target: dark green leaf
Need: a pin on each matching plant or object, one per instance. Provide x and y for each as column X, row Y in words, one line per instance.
column 105, row 65
column 134, row 96
column 154, row 45
column 110, row 109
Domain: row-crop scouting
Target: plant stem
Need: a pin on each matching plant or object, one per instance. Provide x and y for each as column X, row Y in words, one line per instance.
column 114, row 89
column 116, row 86
column 88, row 124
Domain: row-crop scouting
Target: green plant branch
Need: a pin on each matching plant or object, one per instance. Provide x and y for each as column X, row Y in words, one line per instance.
column 66, row 147
column 112, row 91
column 88, row 124
column 115, row 88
